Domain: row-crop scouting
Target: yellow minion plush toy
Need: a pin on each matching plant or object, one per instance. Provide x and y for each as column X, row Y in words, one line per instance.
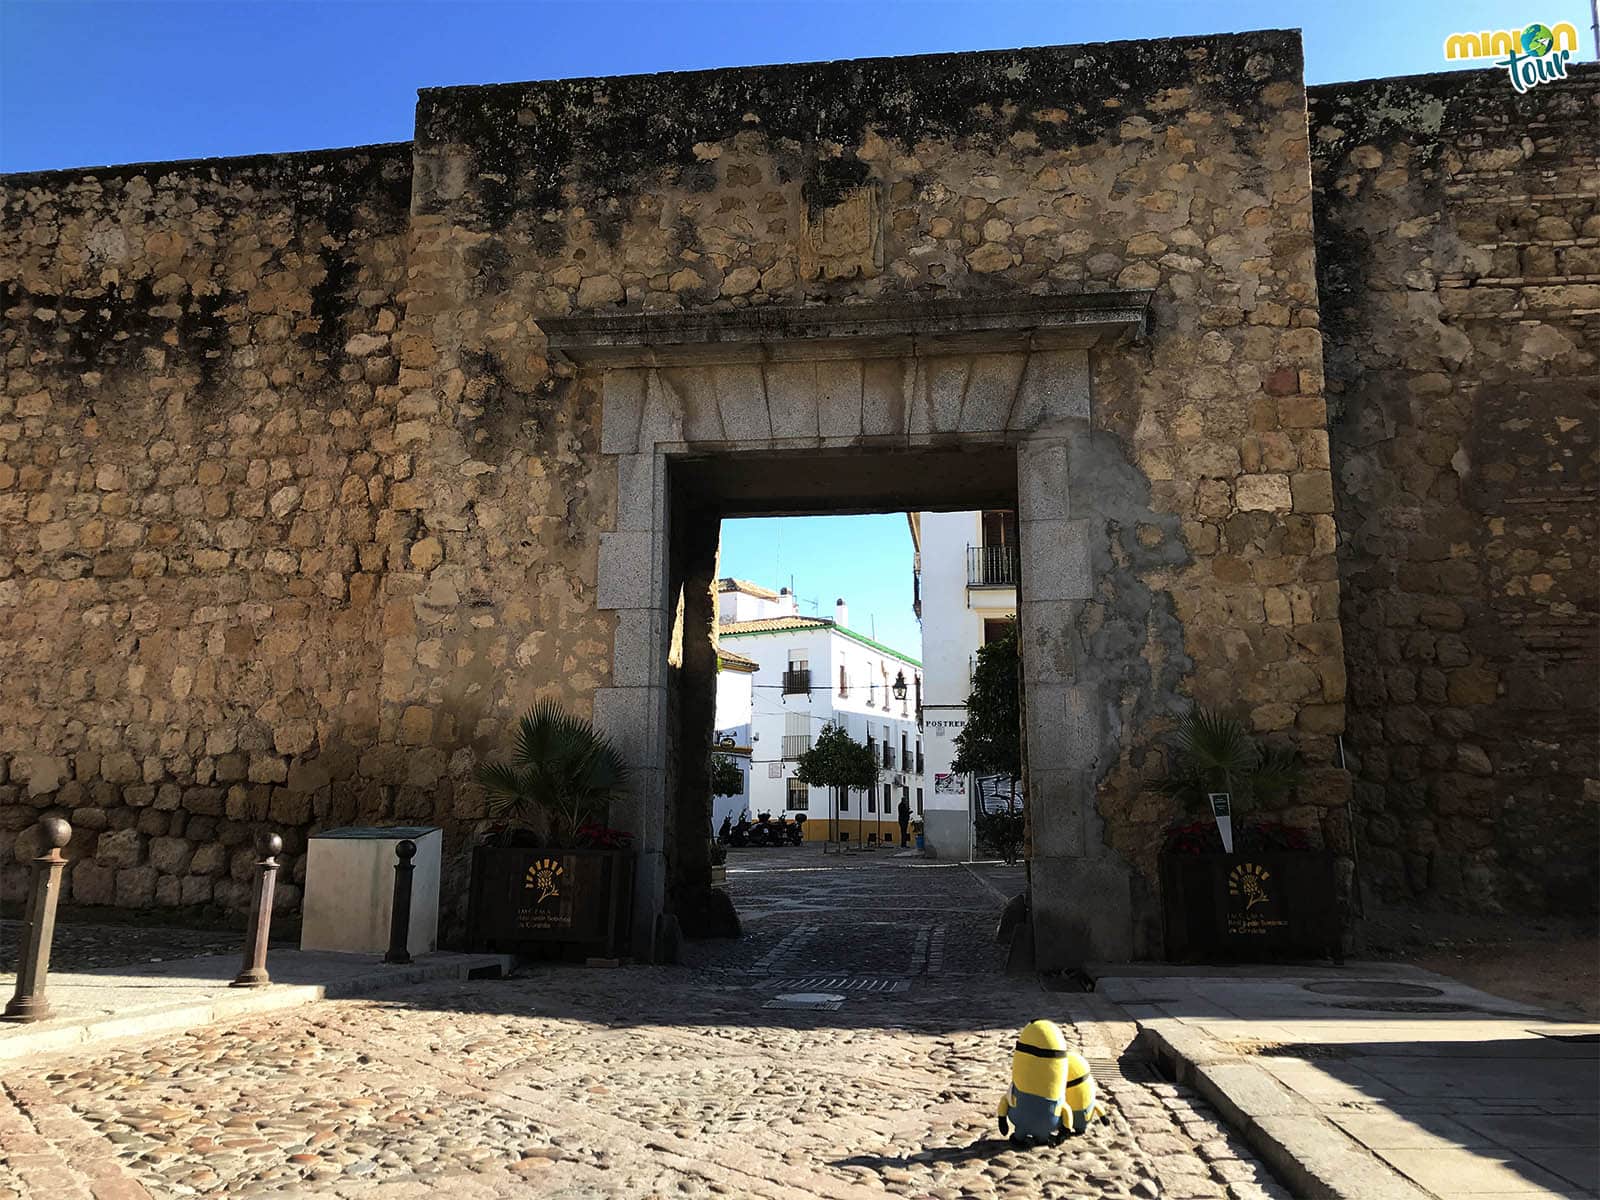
column 1052, row 1089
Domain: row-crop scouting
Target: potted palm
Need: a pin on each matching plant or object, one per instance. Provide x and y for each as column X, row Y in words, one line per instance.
column 1274, row 894
column 550, row 871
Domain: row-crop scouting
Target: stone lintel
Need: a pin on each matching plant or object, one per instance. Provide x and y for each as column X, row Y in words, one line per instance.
column 788, row 333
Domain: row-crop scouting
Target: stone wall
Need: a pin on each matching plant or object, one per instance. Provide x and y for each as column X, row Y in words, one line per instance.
column 1458, row 228
column 198, row 469
column 1180, row 166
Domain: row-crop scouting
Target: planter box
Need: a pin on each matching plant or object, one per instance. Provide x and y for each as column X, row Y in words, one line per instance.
column 524, row 898
column 1250, row 906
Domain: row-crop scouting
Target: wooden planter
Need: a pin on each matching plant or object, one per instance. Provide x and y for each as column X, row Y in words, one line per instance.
column 1280, row 904
column 527, row 898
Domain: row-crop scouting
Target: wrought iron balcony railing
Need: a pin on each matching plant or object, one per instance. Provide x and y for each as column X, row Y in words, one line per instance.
column 991, row 566
column 797, row 683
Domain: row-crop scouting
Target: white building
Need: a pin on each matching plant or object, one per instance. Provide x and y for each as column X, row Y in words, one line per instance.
column 965, row 594
column 735, row 674
column 811, row 671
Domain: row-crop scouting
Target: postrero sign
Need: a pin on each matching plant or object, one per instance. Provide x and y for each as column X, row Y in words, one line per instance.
column 1531, row 55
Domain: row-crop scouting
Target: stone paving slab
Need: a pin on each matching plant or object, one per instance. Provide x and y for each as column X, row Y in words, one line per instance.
column 116, row 1002
column 1380, row 1079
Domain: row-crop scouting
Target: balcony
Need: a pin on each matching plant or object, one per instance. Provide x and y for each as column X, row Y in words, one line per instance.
column 920, row 768
column 795, row 744
column 992, row 566
column 796, row 683
column 888, row 757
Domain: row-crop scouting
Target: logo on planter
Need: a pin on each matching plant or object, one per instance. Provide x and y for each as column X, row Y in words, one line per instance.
column 541, row 879
column 1249, row 882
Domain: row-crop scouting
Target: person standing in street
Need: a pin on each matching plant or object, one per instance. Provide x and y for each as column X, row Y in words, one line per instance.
column 905, row 821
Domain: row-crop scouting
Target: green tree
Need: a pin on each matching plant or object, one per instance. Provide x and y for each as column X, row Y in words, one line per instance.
column 837, row 761
column 562, row 767
column 991, row 742
column 726, row 778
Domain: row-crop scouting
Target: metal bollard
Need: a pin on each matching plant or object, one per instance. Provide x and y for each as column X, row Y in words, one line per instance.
column 254, row 973
column 39, row 925
column 400, row 908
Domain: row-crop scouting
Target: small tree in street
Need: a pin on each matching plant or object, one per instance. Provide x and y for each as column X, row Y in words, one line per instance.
column 726, row 778
column 837, row 761
column 991, row 742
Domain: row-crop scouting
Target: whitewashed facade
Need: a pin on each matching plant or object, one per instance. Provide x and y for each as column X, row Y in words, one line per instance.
column 811, row 671
column 966, row 590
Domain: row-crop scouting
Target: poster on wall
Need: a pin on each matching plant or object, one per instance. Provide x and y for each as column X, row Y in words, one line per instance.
column 775, row 770
column 999, row 793
column 948, row 783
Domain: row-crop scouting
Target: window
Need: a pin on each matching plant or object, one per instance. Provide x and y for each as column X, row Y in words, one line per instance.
column 797, row 679
column 888, row 804
column 799, row 797
column 844, row 800
column 844, row 681
column 919, row 801
column 999, row 527
column 994, row 630
column 796, row 734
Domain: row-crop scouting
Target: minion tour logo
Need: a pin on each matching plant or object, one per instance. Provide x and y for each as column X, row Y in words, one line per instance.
column 1249, row 882
column 541, row 880
column 1531, row 56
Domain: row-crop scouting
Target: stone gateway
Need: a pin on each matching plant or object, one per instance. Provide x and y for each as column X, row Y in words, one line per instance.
column 316, row 470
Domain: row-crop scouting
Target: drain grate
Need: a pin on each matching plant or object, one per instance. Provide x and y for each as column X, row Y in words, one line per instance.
column 825, row 1001
column 1378, row 989
column 1404, row 1006
column 845, row 983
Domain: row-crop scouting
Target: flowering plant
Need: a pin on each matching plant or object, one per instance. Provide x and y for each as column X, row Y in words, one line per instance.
column 594, row 836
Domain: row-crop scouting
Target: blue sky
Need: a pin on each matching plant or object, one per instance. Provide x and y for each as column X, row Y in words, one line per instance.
column 127, row 81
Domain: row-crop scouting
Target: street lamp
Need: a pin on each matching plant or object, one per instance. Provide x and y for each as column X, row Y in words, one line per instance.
column 900, row 685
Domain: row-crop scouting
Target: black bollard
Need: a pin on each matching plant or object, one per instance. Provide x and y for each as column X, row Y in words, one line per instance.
column 254, row 973
column 39, row 925
column 400, row 908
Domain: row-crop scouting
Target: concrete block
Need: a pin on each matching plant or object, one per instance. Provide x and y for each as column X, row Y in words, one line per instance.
column 792, row 399
column 741, row 393
column 349, row 894
column 992, row 385
column 1056, row 564
column 1042, row 481
column 629, row 573
column 622, row 399
column 1049, row 640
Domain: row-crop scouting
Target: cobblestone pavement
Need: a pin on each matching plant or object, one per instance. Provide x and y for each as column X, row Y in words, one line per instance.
column 638, row 1081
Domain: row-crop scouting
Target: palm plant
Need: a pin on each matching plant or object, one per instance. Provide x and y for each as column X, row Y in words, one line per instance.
column 562, row 767
column 1216, row 754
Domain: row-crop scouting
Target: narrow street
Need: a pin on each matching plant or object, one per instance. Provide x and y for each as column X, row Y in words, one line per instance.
column 641, row 1081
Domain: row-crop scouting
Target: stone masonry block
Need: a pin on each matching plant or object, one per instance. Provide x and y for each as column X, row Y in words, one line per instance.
column 629, row 575
column 839, row 399
column 741, row 393
column 696, row 390
column 638, row 654
column 1066, row 730
column 792, row 399
column 639, row 502
column 621, row 408
column 633, row 718
column 1057, row 800
column 1056, row 563
column 992, row 387
column 1049, row 641
column 1042, row 480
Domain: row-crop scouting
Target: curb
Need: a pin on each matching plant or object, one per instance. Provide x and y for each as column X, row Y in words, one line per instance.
column 1314, row 1157
column 67, row 1034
